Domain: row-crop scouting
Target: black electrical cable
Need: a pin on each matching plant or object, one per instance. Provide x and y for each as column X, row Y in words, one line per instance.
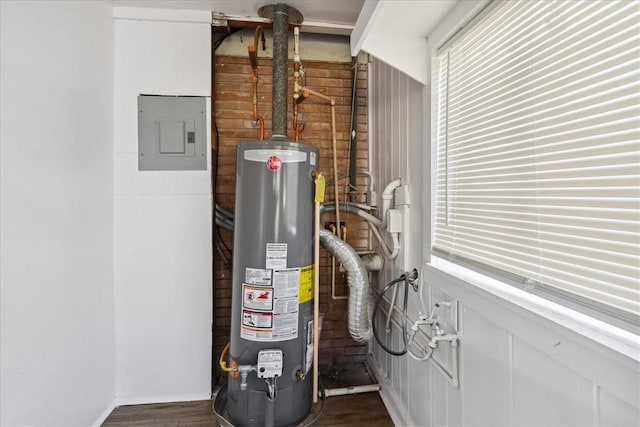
column 219, row 41
column 376, row 307
column 218, row 241
column 221, row 247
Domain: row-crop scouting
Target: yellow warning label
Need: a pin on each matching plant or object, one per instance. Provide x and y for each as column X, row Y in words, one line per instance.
column 306, row 284
column 320, row 184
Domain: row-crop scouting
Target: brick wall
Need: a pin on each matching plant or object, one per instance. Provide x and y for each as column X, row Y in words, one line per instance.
column 233, row 112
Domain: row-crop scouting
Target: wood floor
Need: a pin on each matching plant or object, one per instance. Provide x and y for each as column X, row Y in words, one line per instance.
column 339, row 411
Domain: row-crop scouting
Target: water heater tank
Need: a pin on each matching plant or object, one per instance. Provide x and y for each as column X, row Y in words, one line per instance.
column 272, row 299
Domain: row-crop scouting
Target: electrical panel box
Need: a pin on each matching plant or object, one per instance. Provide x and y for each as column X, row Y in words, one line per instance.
column 172, row 133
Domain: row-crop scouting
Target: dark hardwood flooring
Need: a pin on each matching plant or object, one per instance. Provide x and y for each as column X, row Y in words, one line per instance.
column 198, row 413
column 339, row 411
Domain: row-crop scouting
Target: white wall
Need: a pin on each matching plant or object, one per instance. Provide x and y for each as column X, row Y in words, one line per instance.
column 313, row 47
column 396, row 32
column 56, row 303
column 162, row 220
column 517, row 367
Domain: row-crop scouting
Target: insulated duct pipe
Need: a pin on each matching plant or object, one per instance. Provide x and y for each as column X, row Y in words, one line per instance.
column 357, row 278
column 280, row 68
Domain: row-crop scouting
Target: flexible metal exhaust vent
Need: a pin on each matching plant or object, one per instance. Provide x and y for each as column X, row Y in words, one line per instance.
column 282, row 15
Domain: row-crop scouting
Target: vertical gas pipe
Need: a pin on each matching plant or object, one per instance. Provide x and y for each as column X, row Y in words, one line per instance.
column 280, row 69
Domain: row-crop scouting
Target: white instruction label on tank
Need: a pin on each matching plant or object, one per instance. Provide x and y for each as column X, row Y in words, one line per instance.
column 285, row 326
column 312, row 158
column 257, row 276
column 286, row 283
column 309, row 356
column 276, row 255
column 270, row 313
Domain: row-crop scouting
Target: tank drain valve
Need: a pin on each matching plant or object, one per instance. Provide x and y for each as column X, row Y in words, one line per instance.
column 244, row 372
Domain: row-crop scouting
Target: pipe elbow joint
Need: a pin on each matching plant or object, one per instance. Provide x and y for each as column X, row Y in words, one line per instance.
column 387, row 193
column 452, row 338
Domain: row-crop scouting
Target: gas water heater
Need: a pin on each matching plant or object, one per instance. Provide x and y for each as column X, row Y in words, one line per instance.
column 271, row 344
column 272, row 300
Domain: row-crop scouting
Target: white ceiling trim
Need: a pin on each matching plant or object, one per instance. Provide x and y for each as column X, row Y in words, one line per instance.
column 164, row 15
column 325, row 17
column 318, row 27
column 396, row 32
column 205, row 16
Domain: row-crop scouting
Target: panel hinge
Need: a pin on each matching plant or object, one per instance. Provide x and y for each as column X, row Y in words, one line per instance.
column 218, row 19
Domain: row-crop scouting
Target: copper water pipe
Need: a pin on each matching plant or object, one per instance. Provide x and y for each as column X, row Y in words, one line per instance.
column 256, row 118
column 305, row 92
column 297, row 127
column 296, row 101
column 300, row 93
column 298, row 97
column 253, row 48
column 253, row 59
column 259, row 33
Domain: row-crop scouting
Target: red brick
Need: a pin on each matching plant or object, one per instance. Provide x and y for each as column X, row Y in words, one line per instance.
column 233, row 118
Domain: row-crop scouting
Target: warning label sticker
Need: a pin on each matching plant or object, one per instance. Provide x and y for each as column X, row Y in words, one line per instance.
column 306, row 284
column 255, row 334
column 257, row 298
column 270, row 313
column 258, row 276
column 309, row 355
column 256, row 319
column 276, row 255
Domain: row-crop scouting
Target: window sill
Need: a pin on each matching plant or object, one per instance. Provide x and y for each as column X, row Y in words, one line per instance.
column 617, row 339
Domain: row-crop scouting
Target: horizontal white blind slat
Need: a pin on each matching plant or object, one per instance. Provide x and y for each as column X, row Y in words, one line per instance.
column 538, row 147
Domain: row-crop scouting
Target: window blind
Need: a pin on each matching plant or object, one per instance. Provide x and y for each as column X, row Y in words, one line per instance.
column 538, row 149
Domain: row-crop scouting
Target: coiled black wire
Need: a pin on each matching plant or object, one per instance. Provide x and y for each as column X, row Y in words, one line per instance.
column 403, row 278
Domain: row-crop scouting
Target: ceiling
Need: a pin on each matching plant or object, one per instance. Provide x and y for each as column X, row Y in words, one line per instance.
column 327, row 13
